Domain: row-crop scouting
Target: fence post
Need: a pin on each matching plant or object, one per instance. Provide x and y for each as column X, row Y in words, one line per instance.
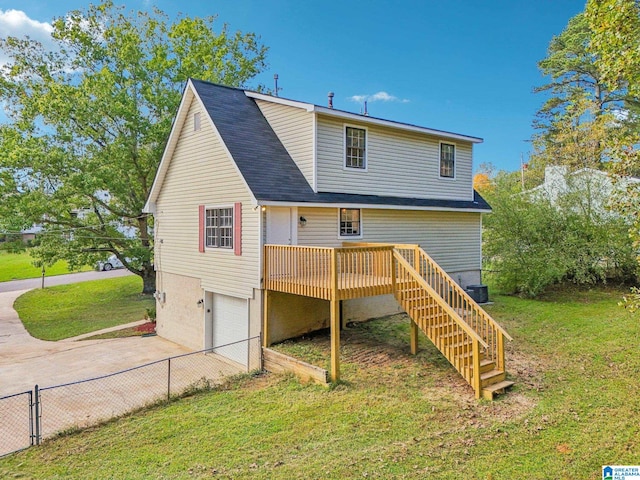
column 169, row 378
column 31, row 435
column 37, row 414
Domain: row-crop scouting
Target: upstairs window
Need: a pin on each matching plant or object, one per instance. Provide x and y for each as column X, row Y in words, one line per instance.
column 219, row 227
column 355, row 142
column 196, row 121
column 350, row 222
column 447, row 160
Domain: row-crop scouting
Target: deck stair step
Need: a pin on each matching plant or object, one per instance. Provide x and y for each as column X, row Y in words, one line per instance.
column 487, row 365
column 453, row 322
column 496, row 388
column 491, row 377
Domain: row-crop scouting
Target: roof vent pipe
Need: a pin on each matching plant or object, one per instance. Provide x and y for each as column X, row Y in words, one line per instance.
column 366, row 113
column 330, row 95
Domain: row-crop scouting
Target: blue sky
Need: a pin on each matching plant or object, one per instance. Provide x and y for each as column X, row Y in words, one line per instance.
column 463, row 66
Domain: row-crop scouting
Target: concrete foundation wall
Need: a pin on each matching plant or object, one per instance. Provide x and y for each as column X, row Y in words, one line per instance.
column 179, row 318
column 293, row 315
column 464, row 279
column 361, row 309
column 255, row 329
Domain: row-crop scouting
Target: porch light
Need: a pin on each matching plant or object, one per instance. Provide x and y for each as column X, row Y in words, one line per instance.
column 302, row 221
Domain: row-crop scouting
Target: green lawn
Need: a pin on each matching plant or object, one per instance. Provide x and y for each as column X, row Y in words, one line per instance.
column 69, row 310
column 576, row 407
column 18, row 266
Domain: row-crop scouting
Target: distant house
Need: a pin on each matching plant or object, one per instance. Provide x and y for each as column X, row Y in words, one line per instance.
column 590, row 191
column 277, row 217
column 30, row 234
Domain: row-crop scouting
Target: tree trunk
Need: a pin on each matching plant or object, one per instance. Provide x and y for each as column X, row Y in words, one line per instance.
column 148, row 280
column 148, row 274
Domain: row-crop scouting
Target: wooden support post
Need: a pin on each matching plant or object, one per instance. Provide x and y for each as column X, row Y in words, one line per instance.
column 335, row 319
column 335, row 341
column 414, row 337
column 266, row 340
column 477, row 384
column 343, row 320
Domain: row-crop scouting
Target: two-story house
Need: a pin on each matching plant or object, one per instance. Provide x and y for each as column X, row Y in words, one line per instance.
column 255, row 191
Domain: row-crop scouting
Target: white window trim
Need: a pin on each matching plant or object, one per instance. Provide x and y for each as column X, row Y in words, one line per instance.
column 344, row 148
column 455, row 160
column 347, row 237
column 230, row 249
column 197, row 121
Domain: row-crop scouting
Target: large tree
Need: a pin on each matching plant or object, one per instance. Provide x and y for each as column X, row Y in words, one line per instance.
column 582, row 107
column 615, row 44
column 89, row 118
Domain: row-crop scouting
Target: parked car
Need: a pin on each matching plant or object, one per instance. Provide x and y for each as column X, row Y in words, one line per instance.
column 109, row 264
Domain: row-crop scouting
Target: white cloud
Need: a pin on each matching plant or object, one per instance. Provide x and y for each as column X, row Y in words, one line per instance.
column 358, row 98
column 16, row 23
column 381, row 96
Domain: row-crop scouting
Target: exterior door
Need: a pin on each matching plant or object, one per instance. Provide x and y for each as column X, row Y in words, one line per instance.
column 282, row 226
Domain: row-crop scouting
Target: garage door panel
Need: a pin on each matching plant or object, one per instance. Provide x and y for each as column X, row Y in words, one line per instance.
column 231, row 325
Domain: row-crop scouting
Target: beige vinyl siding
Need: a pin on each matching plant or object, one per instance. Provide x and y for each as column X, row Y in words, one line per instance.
column 201, row 172
column 453, row 239
column 399, row 163
column 294, row 128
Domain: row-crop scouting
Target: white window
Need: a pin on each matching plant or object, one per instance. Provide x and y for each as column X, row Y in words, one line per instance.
column 219, row 227
column 447, row 160
column 355, row 148
column 350, row 224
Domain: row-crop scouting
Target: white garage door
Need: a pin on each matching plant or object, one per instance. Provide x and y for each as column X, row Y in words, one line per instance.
column 230, row 325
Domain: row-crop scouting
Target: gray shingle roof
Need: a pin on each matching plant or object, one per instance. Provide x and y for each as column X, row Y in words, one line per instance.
column 267, row 167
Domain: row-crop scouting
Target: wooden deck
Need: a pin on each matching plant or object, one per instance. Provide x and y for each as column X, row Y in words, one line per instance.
column 329, row 273
column 468, row 337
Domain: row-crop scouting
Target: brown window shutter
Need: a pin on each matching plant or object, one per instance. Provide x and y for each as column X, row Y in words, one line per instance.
column 201, row 228
column 237, row 229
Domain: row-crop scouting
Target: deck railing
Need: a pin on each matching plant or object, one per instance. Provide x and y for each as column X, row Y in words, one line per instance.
column 460, row 328
column 299, row 270
column 460, row 301
column 353, row 272
column 440, row 322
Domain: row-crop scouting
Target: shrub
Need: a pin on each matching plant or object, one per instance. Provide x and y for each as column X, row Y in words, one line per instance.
column 530, row 244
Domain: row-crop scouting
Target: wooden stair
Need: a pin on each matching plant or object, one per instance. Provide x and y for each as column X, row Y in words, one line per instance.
column 465, row 334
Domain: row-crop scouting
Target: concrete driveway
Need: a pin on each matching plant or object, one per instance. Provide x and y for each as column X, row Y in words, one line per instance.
column 26, row 361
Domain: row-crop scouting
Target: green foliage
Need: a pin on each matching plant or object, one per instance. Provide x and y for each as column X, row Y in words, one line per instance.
column 90, row 118
column 13, row 246
column 532, row 242
column 574, row 408
column 70, row 310
column 576, row 119
column 615, row 41
column 150, row 313
column 615, row 45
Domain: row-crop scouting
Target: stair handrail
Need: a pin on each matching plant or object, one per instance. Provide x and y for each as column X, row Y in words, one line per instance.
column 441, row 301
column 460, row 291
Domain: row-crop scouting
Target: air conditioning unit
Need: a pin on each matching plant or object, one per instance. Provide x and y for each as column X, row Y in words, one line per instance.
column 480, row 293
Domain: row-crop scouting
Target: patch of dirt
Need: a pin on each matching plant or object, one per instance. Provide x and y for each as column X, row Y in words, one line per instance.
column 362, row 346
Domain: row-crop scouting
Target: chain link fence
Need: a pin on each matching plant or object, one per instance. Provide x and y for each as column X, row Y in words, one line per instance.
column 16, row 422
column 28, row 418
